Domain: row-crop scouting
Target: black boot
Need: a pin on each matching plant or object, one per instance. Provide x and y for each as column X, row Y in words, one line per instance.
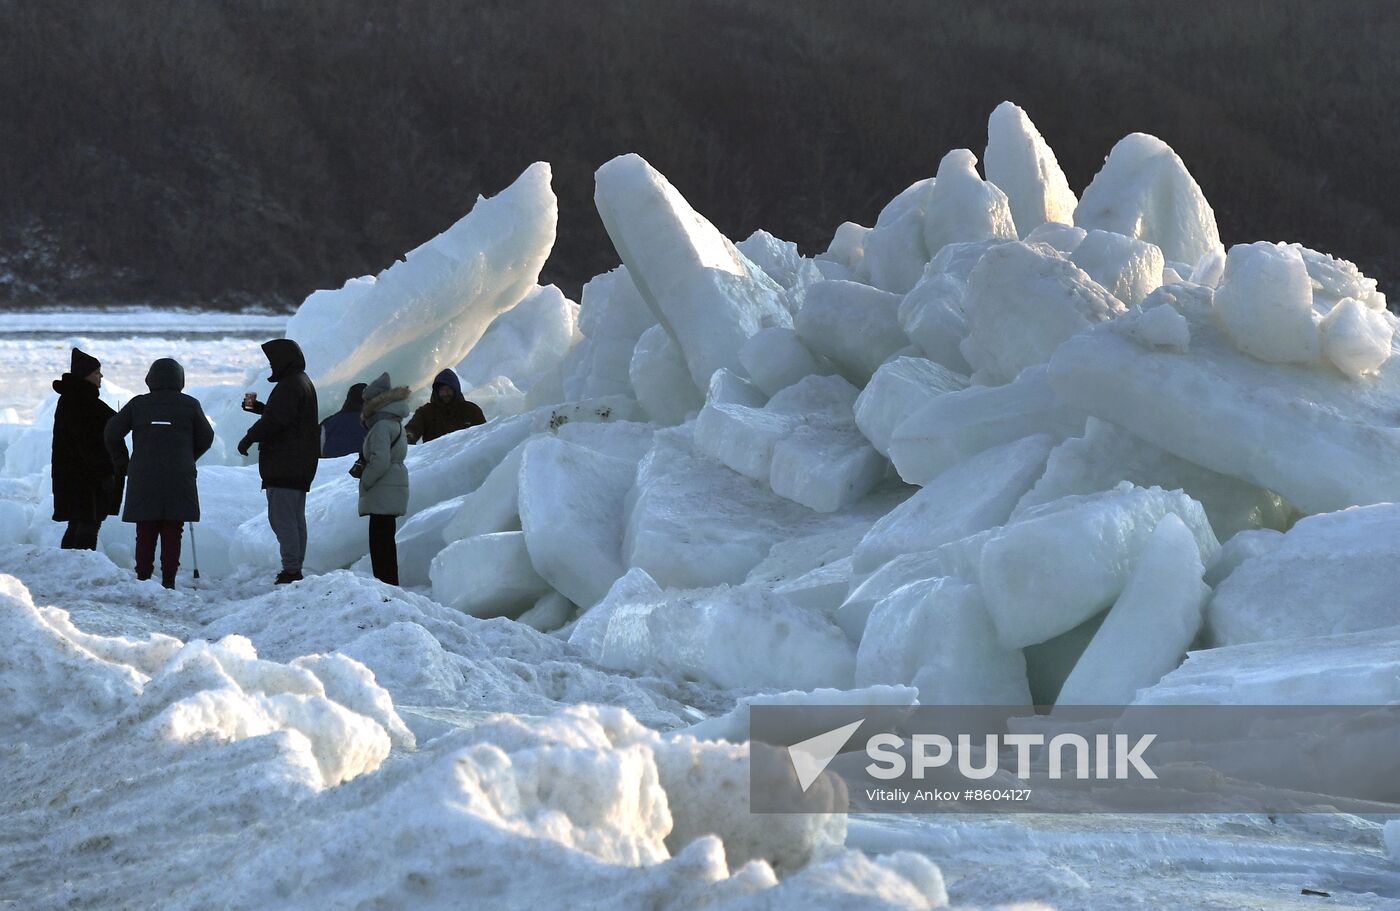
column 143, row 577
column 285, row 577
column 167, row 581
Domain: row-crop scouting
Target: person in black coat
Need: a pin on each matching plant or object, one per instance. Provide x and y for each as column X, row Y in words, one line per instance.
column 169, row 433
column 289, row 446
column 342, row 433
column 86, row 486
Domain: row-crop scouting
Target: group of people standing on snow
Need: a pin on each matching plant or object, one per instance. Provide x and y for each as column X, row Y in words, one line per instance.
column 169, row 432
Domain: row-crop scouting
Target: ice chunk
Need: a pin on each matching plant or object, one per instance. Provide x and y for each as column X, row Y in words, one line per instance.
column 779, row 259
column 728, row 388
column 821, row 589
column 1021, row 303
column 742, row 437
column 1160, row 327
column 1063, row 237
column 1209, row 269
column 957, row 425
column 895, row 253
column 825, row 467
column 1149, row 627
column 549, row 613
column 524, row 342
column 1336, row 279
column 1320, row 440
column 571, row 510
column 963, row 207
column 932, row 317
column 1240, row 547
column 1333, row 573
column 848, row 245
column 1127, row 268
column 493, row 506
column 1060, row 563
column 1021, row 163
column 487, row 576
column 854, row 325
column 421, row 537
column 1106, row 455
column 1145, row 191
column 1264, row 304
column 612, row 316
column 1355, row 338
column 776, row 358
column 865, row 593
column 426, row 312
column 709, row 298
column 936, row 635
column 900, row 387
column 816, row 397
column 661, row 380
column 733, row 725
column 970, row 497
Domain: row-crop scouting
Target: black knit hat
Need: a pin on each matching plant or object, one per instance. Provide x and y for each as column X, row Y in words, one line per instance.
column 83, row 364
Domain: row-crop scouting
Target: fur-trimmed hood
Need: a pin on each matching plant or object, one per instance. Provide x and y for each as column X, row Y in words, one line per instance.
column 384, row 401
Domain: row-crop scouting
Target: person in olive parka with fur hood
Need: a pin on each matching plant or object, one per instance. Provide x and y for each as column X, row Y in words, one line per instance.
column 169, row 433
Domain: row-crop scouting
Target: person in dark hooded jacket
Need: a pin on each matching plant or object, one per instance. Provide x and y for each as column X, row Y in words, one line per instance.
column 446, row 412
column 169, row 433
column 342, row 433
column 289, row 446
column 86, row 486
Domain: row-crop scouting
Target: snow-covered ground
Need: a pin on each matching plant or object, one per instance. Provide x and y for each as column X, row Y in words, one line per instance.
column 973, row 453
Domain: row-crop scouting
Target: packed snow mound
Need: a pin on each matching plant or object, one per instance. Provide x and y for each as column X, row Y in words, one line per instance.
column 425, row 313
column 523, row 343
column 1022, row 164
column 1264, row 303
column 1145, row 191
column 1021, row 304
column 1333, row 573
column 963, row 207
column 697, row 284
column 1319, row 439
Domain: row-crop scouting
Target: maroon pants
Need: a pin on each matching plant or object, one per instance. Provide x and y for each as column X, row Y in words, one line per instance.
column 169, row 534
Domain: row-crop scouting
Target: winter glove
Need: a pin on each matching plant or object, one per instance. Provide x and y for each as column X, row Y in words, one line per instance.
column 244, row 445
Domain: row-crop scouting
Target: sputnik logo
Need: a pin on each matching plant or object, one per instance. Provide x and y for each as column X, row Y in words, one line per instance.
column 810, row 757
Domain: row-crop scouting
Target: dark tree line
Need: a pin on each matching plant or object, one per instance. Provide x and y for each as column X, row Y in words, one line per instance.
column 236, row 151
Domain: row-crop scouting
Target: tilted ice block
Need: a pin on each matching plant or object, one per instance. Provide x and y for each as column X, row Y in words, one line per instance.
column 1149, row 627
column 1023, row 302
column 957, row 425
column 661, row 380
column 854, row 325
column 571, row 510
column 936, row 636
column 1332, row 573
column 816, row 397
column 821, row 589
column 899, row 388
column 741, row 637
column 487, row 576
column 825, row 466
column 959, row 259
column 866, row 592
column 728, row 388
column 1145, row 191
column 1346, row 669
column 1022, row 164
column 741, row 437
column 1062, row 562
column 709, row 298
column 776, row 358
column 913, row 198
column 524, row 342
column 1317, row 438
column 970, row 497
column 493, row 506
column 895, row 254
column 778, row 259
column 1107, row 454
column 1264, row 304
column 1128, row 268
column 932, row 317
column 425, row 312
column 963, row 207
column 1063, row 237
column 611, row 316
column 1355, row 338
column 628, row 440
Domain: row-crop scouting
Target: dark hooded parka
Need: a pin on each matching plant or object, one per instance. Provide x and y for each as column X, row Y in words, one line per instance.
column 86, row 485
column 438, row 418
column 169, row 432
column 342, row 433
column 288, row 432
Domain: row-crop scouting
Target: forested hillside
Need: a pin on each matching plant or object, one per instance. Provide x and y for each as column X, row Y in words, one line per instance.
column 228, row 152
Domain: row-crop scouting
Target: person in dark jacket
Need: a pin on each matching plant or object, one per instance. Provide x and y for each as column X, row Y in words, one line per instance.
column 86, row 486
column 289, row 446
column 446, row 412
column 342, row 433
column 384, row 484
column 169, row 433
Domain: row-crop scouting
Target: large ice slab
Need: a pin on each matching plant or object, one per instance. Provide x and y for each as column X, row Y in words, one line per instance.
column 1145, row 191
column 854, row 325
column 1265, row 304
column 424, row 313
column 957, row 425
column 706, row 294
column 936, row 636
column 1149, row 627
column 1316, row 437
column 1022, row 302
column 1065, row 561
column 1022, row 164
column 611, row 316
column 963, row 207
column 901, row 386
column 1332, row 573
column 524, row 342
column 487, row 576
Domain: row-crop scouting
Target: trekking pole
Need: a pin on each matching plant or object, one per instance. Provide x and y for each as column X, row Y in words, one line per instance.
column 194, row 551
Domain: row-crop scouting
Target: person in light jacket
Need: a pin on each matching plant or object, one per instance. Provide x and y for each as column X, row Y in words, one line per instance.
column 384, row 483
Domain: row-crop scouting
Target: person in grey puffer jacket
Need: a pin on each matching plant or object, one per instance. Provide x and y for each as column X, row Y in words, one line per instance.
column 384, row 484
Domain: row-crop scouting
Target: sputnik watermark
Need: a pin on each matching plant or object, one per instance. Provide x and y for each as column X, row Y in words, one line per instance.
column 1112, row 756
